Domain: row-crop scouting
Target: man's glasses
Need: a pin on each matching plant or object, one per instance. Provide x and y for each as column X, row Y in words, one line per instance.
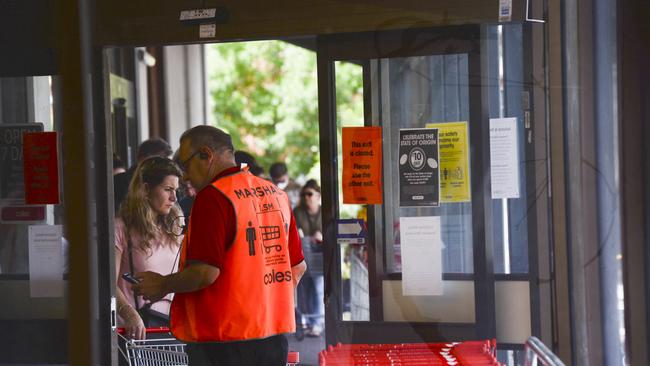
column 183, row 164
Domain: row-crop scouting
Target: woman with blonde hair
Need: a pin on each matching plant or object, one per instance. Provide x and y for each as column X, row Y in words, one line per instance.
column 148, row 233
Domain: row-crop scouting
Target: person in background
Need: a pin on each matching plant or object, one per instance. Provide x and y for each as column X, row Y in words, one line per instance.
column 309, row 221
column 147, row 237
column 187, row 200
column 242, row 157
column 118, row 165
column 185, row 195
column 240, row 261
column 148, row 148
column 280, row 177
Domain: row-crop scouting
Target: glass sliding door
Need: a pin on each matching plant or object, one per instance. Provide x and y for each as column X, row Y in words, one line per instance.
column 412, row 80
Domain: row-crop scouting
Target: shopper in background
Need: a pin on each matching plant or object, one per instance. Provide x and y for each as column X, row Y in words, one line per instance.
column 309, row 221
column 242, row 157
column 148, row 148
column 147, row 238
column 240, row 261
column 118, row 165
column 187, row 199
column 280, row 177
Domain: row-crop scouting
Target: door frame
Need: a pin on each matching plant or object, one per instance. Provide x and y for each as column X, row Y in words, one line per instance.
column 403, row 43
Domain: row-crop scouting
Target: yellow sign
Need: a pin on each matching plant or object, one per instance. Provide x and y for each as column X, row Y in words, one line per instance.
column 454, row 161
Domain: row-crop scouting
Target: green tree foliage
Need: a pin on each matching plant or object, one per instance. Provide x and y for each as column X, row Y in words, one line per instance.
column 349, row 95
column 349, row 113
column 265, row 94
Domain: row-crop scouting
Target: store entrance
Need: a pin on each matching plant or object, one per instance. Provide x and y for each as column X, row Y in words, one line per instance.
column 446, row 250
column 451, row 259
column 412, row 80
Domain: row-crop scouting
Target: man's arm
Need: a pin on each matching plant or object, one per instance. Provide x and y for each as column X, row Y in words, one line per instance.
column 194, row 277
column 295, row 252
column 297, row 271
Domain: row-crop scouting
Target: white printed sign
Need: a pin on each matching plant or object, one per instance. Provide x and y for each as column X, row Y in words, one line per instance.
column 504, row 158
column 505, row 10
column 421, row 256
column 198, row 14
column 45, row 260
column 207, row 30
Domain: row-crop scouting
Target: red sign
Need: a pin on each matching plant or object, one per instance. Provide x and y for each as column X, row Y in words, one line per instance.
column 362, row 165
column 22, row 214
column 41, row 168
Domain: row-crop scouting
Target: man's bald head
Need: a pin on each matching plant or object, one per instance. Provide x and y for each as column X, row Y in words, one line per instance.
column 208, row 136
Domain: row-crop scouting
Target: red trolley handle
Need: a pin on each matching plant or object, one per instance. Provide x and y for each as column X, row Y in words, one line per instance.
column 149, row 330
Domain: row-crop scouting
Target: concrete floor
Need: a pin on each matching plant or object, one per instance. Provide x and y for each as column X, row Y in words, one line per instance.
column 308, row 349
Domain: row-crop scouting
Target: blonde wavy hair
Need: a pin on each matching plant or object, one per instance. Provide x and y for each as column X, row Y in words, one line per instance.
column 136, row 212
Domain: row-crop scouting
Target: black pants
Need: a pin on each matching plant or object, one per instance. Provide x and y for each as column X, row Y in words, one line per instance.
column 270, row 351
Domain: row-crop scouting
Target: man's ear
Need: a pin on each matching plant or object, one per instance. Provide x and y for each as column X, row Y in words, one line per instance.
column 204, row 153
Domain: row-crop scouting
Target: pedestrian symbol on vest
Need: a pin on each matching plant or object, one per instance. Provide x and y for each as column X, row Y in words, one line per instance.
column 250, row 238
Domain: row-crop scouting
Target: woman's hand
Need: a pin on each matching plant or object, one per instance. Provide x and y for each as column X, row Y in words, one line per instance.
column 133, row 325
column 318, row 237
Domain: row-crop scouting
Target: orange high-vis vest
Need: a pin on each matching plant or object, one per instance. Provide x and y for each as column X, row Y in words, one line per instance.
column 253, row 296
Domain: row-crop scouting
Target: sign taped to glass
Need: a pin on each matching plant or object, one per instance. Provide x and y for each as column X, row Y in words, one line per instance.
column 12, row 191
column 41, row 168
column 419, row 168
column 454, row 161
column 362, row 159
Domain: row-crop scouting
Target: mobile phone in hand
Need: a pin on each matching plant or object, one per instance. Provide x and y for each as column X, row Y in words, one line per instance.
column 130, row 279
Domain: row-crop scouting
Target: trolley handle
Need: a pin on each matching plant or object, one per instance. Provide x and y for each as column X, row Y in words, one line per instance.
column 149, row 330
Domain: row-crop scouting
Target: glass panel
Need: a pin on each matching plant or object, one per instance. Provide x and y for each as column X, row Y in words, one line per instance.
column 419, row 91
column 509, row 357
column 407, row 93
column 354, row 258
column 26, row 105
column 509, row 98
column 31, row 233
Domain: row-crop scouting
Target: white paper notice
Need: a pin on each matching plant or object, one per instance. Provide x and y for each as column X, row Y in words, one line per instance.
column 505, row 10
column 421, row 256
column 45, row 261
column 207, row 30
column 504, row 158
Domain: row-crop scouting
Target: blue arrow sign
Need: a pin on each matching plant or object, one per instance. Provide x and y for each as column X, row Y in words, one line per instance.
column 351, row 231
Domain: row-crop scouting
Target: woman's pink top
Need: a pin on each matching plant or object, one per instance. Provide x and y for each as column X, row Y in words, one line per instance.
column 161, row 258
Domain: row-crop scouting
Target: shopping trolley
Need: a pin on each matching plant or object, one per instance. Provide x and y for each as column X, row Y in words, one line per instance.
column 466, row 353
column 163, row 351
column 537, row 354
column 167, row 351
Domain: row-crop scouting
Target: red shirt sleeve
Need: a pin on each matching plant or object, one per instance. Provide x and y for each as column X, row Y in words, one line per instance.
column 295, row 244
column 213, row 227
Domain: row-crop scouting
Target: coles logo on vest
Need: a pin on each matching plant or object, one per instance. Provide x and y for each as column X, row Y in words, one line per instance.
column 277, row 277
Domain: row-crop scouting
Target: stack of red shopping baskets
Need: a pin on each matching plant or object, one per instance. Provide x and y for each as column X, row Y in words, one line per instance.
column 475, row 353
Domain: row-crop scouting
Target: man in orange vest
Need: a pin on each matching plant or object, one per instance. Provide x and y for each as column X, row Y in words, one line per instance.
column 239, row 264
